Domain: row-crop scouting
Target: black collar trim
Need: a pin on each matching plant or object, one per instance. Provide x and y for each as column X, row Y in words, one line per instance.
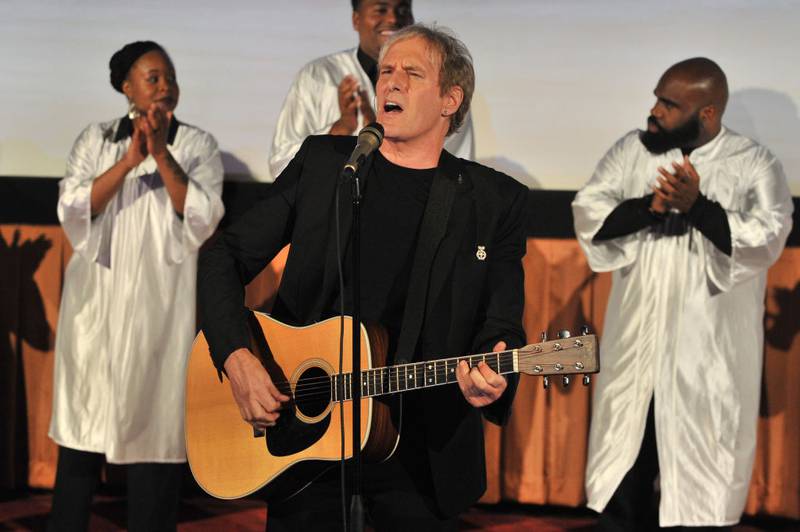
column 125, row 129
column 368, row 65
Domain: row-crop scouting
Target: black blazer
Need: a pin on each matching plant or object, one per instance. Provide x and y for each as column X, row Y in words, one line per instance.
column 471, row 304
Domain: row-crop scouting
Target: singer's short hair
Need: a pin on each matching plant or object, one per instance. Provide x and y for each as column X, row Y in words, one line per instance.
column 456, row 63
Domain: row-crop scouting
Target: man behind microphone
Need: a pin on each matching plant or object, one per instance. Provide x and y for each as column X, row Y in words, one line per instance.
column 472, row 301
column 334, row 94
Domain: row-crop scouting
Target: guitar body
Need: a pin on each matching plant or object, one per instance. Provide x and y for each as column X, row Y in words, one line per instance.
column 229, row 461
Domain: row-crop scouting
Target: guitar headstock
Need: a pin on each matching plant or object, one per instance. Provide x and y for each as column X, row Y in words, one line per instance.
column 567, row 355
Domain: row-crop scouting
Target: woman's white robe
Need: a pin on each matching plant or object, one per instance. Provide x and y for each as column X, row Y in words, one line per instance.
column 127, row 316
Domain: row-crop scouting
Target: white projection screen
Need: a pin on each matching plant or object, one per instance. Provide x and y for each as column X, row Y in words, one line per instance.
column 557, row 81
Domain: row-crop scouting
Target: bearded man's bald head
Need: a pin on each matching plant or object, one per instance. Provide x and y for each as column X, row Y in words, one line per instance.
column 690, row 100
column 704, row 76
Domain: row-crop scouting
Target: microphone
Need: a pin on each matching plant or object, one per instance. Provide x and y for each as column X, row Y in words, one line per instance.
column 369, row 140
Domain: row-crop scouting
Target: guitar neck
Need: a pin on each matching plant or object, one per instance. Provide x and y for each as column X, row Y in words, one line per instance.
column 417, row 375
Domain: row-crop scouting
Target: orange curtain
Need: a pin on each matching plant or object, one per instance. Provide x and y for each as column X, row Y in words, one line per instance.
column 775, row 486
column 538, row 458
column 32, row 260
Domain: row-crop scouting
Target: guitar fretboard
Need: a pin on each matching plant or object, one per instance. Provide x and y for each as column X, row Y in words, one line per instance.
column 414, row 376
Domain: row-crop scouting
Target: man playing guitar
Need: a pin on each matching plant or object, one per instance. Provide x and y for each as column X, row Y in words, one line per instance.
column 472, row 284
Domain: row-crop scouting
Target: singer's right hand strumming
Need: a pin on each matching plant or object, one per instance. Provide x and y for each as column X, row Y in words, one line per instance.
column 258, row 399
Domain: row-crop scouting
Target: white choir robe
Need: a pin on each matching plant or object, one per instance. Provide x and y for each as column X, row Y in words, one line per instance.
column 312, row 106
column 127, row 317
column 683, row 325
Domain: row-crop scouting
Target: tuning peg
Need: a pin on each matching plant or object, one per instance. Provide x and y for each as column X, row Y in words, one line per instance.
column 586, row 380
column 584, row 330
column 544, row 336
column 565, row 381
column 546, row 382
column 564, row 333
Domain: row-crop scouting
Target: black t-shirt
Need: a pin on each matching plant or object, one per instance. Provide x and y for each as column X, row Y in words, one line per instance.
column 392, row 206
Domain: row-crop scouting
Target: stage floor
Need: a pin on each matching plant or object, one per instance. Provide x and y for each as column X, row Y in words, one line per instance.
column 204, row 514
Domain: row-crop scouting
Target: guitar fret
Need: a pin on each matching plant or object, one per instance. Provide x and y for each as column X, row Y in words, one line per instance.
column 451, row 370
column 507, row 362
column 393, row 379
column 494, row 362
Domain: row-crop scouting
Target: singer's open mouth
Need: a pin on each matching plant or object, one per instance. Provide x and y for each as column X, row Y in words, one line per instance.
column 391, row 107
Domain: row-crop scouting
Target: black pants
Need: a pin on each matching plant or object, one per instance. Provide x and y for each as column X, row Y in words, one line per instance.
column 391, row 502
column 153, row 493
column 397, row 494
column 634, row 505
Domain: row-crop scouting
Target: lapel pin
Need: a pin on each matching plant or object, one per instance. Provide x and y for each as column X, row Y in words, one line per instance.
column 481, row 253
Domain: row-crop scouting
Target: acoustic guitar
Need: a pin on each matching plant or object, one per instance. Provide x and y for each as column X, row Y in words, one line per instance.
column 230, row 460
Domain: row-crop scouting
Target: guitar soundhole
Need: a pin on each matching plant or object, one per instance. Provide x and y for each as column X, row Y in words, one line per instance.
column 312, row 392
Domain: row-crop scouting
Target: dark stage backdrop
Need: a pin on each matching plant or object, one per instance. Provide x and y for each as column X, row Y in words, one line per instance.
column 538, row 458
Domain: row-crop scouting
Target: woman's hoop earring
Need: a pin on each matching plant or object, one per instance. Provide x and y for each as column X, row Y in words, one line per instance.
column 133, row 114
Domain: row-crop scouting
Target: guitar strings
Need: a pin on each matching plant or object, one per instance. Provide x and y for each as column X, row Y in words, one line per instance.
column 376, row 375
column 325, row 382
column 378, row 372
column 314, row 388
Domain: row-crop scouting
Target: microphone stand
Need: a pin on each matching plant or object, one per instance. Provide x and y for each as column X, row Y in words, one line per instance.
column 356, row 501
column 369, row 139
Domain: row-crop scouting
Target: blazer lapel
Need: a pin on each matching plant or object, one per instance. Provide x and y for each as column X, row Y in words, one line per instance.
column 456, row 226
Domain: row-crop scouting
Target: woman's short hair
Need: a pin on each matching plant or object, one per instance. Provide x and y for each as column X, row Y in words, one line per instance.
column 124, row 58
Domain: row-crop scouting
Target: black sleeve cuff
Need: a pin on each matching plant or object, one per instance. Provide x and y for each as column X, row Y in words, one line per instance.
column 710, row 219
column 628, row 217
